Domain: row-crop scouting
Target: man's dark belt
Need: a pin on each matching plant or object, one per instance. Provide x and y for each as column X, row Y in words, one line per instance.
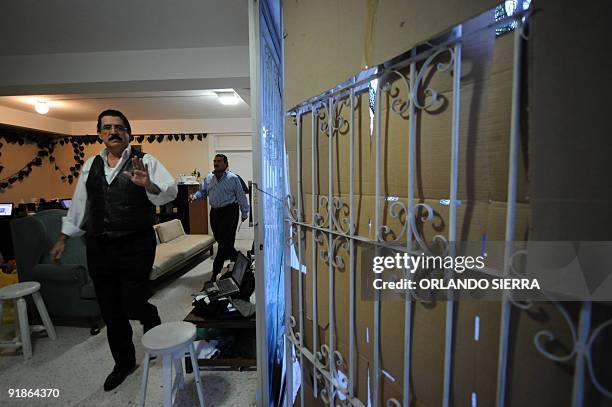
column 227, row 206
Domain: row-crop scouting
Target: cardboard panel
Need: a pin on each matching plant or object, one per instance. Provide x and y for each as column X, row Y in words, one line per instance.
column 352, row 34
column 486, row 350
column 336, row 43
column 398, row 26
column 484, row 134
column 308, row 388
column 533, row 379
column 483, row 150
column 474, row 220
column 364, row 152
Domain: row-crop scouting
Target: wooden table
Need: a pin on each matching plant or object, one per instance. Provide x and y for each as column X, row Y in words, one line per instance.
column 223, row 323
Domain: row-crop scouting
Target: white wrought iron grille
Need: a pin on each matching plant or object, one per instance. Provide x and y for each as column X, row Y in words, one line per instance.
column 329, row 227
column 334, row 230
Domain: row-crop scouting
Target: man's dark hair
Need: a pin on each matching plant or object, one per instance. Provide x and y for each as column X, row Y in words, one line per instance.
column 115, row 113
column 222, row 156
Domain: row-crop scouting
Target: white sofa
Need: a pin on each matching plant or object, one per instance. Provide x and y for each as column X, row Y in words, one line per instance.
column 175, row 248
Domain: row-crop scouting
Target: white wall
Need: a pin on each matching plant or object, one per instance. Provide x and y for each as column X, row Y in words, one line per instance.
column 34, row 121
column 211, row 126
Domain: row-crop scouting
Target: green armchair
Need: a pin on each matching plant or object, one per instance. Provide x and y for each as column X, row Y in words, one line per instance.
column 67, row 289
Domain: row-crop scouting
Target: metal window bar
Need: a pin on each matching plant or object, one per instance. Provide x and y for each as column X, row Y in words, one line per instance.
column 409, row 238
column 330, row 240
column 315, row 319
column 351, row 232
column 510, row 216
column 299, row 236
column 452, row 229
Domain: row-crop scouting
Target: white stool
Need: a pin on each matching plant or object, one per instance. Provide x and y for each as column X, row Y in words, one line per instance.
column 16, row 292
column 171, row 341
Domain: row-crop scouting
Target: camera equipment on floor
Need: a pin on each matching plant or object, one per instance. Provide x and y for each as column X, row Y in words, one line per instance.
column 215, row 299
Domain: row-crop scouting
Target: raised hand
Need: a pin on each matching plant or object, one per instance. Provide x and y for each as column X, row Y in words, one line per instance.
column 140, row 173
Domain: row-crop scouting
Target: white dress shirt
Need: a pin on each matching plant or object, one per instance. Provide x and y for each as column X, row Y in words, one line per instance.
column 72, row 222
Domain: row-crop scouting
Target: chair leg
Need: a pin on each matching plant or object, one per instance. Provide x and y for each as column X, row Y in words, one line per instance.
column 178, row 367
column 44, row 315
column 196, row 375
column 167, row 363
column 145, row 379
column 24, row 327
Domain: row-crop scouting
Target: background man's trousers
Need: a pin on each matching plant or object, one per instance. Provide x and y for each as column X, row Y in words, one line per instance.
column 120, row 268
column 224, row 222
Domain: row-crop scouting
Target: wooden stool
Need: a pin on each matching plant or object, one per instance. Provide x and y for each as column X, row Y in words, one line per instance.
column 16, row 292
column 171, row 341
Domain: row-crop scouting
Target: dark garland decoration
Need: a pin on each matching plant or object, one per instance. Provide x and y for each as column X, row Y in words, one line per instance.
column 46, row 143
column 152, row 138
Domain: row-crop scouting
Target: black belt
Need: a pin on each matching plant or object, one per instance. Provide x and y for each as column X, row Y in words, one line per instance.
column 227, row 206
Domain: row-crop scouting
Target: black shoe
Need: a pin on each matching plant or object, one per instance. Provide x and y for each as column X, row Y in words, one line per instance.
column 116, row 377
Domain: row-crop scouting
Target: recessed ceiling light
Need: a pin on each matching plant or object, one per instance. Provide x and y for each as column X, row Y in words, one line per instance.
column 228, row 98
column 42, row 107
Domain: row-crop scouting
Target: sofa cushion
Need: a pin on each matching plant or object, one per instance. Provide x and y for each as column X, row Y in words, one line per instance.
column 170, row 230
column 166, row 257
column 169, row 255
column 190, row 245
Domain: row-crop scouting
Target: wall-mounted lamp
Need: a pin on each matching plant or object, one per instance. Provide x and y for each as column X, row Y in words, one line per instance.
column 228, row 98
column 41, row 107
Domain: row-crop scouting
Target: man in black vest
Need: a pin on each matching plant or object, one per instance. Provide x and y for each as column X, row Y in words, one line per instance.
column 114, row 206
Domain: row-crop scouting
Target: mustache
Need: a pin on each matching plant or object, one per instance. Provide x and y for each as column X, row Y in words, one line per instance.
column 114, row 137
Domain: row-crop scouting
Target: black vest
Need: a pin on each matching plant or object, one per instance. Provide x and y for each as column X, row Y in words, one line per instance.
column 120, row 208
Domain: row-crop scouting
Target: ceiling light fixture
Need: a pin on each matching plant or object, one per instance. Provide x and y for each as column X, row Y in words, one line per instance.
column 42, row 107
column 228, row 98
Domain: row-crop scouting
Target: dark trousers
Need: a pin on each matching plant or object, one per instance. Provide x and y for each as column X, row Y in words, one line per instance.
column 119, row 268
column 223, row 222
